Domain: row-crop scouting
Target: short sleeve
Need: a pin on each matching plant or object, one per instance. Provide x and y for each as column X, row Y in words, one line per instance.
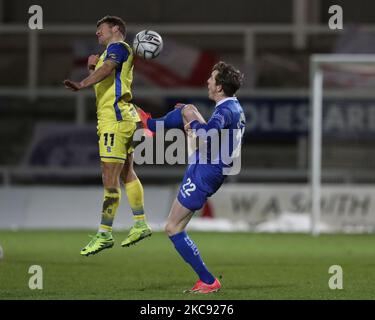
column 117, row 53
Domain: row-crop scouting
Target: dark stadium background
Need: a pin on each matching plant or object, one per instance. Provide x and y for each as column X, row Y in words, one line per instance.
column 49, row 168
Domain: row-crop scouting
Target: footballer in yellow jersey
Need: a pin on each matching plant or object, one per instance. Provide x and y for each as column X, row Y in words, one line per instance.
column 117, row 116
column 111, row 74
column 113, row 94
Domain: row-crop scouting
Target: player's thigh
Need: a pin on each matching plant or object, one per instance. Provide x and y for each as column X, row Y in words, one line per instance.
column 128, row 129
column 199, row 183
column 191, row 194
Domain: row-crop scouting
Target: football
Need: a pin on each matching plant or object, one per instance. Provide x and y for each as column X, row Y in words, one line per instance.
column 147, row 44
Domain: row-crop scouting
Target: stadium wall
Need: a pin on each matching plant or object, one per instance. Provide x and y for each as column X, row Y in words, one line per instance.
column 72, row 207
column 235, row 207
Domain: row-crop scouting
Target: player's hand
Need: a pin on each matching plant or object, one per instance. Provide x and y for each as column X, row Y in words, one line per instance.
column 72, row 85
column 179, row 105
column 92, row 61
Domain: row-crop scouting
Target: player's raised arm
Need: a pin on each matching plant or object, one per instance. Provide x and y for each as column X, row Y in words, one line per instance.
column 92, row 61
column 96, row 76
column 99, row 74
column 220, row 119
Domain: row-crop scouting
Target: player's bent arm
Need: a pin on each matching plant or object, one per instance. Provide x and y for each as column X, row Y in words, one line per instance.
column 190, row 113
column 92, row 61
column 99, row 74
column 217, row 122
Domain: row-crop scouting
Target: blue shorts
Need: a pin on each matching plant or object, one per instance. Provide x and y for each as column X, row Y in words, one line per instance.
column 200, row 182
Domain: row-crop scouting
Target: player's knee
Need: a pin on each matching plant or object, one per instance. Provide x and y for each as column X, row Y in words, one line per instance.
column 170, row 229
column 109, row 179
column 106, row 177
column 111, row 174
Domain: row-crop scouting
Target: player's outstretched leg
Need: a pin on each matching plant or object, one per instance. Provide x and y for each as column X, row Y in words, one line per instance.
column 144, row 116
column 134, row 191
column 177, row 118
column 172, row 119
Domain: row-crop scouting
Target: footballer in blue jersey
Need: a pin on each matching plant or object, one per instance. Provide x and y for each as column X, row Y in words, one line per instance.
column 206, row 175
column 207, row 172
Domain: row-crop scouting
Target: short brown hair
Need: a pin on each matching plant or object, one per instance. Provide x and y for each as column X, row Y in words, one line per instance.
column 228, row 77
column 113, row 21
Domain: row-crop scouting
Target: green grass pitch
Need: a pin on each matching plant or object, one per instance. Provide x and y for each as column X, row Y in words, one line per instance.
column 252, row 266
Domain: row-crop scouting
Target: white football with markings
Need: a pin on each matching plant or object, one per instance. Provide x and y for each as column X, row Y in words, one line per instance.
column 147, row 44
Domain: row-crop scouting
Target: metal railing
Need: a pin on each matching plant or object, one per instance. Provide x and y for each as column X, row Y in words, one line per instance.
column 247, row 31
column 9, row 174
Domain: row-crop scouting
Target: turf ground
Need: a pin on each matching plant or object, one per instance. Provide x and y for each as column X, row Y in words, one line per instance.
column 252, row 266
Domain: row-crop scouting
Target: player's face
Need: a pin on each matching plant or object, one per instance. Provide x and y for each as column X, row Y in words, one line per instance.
column 104, row 33
column 213, row 89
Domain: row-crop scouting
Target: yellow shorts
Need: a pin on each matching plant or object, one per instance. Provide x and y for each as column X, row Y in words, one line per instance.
column 116, row 141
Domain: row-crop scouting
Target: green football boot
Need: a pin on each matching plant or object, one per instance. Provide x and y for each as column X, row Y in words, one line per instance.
column 99, row 242
column 138, row 232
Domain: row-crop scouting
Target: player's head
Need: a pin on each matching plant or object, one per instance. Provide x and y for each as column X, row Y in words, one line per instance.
column 110, row 27
column 224, row 81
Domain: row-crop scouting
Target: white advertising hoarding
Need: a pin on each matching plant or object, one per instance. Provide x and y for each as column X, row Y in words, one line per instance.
column 74, row 207
column 235, row 207
column 343, row 207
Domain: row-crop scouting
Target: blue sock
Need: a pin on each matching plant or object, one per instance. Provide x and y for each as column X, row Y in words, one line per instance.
column 172, row 119
column 189, row 252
